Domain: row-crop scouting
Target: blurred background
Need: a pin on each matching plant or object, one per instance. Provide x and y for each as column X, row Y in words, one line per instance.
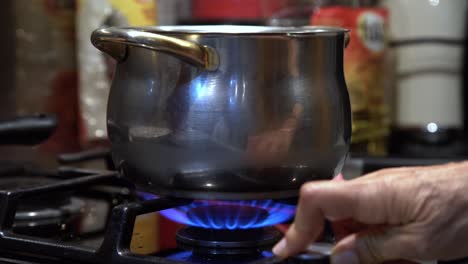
column 406, row 66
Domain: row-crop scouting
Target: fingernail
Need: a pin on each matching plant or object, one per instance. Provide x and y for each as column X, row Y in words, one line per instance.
column 279, row 249
column 345, row 257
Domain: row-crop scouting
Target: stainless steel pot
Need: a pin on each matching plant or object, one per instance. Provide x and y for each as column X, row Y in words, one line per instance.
column 227, row 112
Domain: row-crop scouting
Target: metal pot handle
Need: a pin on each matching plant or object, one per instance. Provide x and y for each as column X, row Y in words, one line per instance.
column 114, row 41
column 27, row 130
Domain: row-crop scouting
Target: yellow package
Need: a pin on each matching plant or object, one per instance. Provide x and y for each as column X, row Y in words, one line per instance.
column 137, row 12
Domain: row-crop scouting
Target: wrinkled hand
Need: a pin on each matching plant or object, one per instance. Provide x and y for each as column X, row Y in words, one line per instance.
column 271, row 146
column 413, row 213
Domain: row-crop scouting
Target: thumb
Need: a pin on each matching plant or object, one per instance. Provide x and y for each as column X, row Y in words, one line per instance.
column 373, row 246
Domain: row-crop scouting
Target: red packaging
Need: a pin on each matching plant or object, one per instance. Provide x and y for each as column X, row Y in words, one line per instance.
column 364, row 67
column 236, row 9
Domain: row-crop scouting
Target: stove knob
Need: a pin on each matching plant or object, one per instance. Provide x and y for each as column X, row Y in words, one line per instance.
column 309, row 258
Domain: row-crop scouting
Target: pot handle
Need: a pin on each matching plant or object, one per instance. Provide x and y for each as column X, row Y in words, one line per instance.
column 27, row 130
column 114, row 41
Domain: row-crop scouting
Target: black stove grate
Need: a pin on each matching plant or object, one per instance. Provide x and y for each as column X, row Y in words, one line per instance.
column 16, row 248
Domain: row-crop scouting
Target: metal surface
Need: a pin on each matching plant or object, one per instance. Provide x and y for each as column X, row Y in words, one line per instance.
column 274, row 114
column 115, row 247
column 227, row 242
column 198, row 55
column 72, row 208
column 27, row 130
column 88, row 155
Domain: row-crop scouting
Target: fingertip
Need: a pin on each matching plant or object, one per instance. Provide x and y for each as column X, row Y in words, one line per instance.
column 280, row 249
column 292, row 243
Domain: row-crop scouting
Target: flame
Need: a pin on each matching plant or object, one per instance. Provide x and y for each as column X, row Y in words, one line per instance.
column 231, row 214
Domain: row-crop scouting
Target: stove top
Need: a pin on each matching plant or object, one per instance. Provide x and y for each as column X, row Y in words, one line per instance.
column 83, row 216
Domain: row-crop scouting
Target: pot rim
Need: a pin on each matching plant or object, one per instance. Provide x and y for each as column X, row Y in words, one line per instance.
column 237, row 30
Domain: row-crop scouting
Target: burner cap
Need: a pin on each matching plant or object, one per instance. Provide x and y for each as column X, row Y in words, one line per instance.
column 227, row 242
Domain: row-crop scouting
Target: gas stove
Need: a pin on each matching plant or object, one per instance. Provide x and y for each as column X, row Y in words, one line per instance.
column 87, row 216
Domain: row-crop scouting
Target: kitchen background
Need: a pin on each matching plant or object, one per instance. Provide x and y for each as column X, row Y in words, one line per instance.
column 406, row 69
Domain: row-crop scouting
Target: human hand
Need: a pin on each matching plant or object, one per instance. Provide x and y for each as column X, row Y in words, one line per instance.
column 413, row 213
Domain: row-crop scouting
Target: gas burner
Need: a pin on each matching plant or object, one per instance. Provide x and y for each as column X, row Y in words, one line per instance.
column 50, row 221
column 231, row 215
column 204, row 241
column 46, row 215
column 46, row 199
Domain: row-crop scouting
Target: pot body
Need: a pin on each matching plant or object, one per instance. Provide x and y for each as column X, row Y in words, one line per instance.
column 271, row 114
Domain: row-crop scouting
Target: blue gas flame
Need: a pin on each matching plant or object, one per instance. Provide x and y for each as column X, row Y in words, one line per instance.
column 261, row 213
